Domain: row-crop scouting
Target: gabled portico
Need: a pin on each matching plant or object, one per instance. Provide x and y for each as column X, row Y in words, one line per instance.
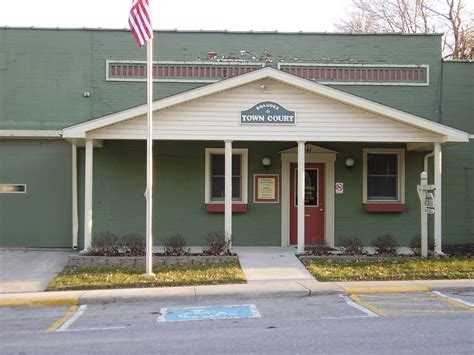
column 323, row 115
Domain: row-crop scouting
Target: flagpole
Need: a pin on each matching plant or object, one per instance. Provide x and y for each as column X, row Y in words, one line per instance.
column 149, row 158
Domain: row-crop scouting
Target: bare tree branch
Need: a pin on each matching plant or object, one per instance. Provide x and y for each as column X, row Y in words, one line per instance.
column 416, row 16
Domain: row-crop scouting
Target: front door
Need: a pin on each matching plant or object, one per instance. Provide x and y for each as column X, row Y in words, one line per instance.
column 314, row 203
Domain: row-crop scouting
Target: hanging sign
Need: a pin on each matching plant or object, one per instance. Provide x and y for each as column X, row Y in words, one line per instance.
column 267, row 112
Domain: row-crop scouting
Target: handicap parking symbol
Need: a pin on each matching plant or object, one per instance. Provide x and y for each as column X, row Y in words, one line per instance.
column 211, row 312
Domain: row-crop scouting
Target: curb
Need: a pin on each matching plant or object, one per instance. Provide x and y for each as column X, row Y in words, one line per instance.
column 249, row 290
column 39, row 301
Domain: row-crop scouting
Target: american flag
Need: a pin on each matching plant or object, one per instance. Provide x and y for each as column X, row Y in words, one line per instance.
column 140, row 22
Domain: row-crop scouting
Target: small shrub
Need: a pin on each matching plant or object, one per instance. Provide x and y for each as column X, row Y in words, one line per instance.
column 352, row 245
column 318, row 250
column 134, row 244
column 415, row 245
column 385, row 244
column 175, row 245
column 216, row 244
column 105, row 243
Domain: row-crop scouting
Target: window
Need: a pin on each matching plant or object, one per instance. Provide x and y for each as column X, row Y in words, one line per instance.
column 215, row 175
column 218, row 176
column 384, row 175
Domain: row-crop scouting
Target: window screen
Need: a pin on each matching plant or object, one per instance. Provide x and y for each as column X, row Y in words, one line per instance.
column 218, row 176
column 382, row 176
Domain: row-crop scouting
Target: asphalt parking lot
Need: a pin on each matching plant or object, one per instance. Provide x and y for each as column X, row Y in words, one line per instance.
column 47, row 319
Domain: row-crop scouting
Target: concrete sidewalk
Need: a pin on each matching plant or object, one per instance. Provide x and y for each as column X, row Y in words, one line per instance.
column 244, row 291
column 271, row 264
column 30, row 270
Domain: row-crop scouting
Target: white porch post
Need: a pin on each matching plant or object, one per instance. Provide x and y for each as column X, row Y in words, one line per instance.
column 438, row 157
column 88, row 194
column 75, row 218
column 300, row 208
column 228, row 192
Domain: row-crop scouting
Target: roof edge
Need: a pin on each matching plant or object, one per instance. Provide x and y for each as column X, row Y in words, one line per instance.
column 125, row 29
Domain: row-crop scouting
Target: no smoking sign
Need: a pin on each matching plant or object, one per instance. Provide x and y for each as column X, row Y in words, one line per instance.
column 339, row 187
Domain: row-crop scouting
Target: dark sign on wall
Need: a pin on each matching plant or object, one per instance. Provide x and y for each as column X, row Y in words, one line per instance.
column 267, row 112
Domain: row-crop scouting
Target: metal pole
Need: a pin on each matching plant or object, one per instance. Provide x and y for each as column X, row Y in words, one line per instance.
column 149, row 159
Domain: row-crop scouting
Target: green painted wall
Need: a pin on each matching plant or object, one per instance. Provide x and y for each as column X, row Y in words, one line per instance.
column 43, row 74
column 52, row 68
column 42, row 216
column 351, row 219
column 119, row 182
column 458, row 161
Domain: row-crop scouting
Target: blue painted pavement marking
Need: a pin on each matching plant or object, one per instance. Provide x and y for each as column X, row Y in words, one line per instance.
column 212, row 312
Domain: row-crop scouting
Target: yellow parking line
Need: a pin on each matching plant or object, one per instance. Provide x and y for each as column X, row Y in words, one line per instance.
column 367, row 305
column 63, row 319
column 391, row 289
column 428, row 311
column 378, row 296
column 381, row 303
column 454, row 303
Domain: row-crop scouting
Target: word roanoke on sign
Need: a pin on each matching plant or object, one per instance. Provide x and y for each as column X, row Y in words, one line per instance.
column 267, row 112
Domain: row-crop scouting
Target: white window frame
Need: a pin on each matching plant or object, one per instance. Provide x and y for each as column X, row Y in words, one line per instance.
column 243, row 152
column 400, row 174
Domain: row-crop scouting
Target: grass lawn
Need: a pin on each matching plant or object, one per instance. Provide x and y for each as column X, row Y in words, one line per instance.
column 74, row 278
column 395, row 269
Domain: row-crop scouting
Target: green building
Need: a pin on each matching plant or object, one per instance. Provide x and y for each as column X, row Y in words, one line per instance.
column 365, row 114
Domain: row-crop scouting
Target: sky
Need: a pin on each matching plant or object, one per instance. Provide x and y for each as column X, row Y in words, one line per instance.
column 241, row 15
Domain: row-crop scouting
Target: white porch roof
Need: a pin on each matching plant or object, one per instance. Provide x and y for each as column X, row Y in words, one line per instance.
column 403, row 127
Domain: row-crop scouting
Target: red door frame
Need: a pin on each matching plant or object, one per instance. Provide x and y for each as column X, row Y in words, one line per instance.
column 314, row 215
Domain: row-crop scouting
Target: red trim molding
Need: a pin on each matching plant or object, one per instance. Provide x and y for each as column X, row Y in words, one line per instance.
column 219, row 207
column 384, row 207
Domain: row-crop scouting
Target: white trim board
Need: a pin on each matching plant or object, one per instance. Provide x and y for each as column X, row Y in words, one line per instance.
column 20, row 133
column 447, row 134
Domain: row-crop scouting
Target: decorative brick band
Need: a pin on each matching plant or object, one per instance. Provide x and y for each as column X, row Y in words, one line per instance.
column 196, row 72
column 324, row 73
column 139, row 261
column 360, row 74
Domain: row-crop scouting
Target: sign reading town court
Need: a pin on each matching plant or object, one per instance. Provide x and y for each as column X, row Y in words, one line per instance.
column 267, row 112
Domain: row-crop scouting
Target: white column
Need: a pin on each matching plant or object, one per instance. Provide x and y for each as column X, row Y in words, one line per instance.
column 438, row 157
column 75, row 218
column 228, row 191
column 300, row 208
column 88, row 194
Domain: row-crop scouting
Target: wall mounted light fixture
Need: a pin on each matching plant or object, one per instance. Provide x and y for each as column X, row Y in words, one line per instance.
column 266, row 162
column 349, row 163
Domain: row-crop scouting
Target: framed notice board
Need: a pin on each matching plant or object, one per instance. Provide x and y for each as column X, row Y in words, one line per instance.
column 266, row 188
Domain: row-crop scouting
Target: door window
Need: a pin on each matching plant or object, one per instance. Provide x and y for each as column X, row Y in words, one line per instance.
column 311, row 198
